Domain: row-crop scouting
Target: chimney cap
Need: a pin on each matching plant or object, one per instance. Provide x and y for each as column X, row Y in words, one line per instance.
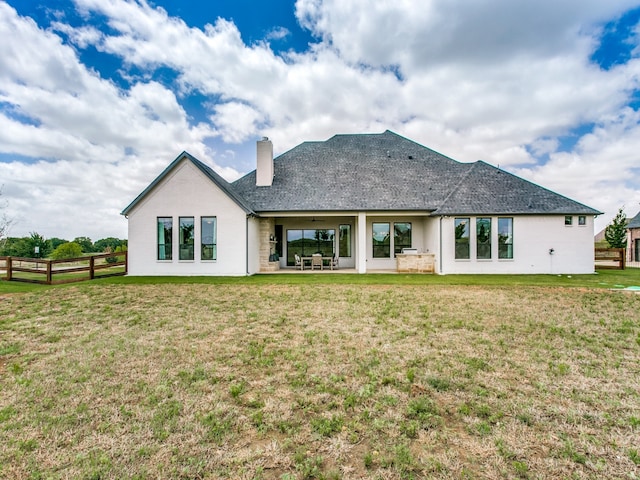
column 265, row 139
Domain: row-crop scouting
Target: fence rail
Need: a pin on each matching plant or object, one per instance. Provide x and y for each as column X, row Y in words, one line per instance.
column 610, row 258
column 32, row 270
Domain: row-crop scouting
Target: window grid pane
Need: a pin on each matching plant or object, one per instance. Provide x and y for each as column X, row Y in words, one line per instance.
column 401, row 236
column 208, row 238
column 381, row 240
column 483, row 238
column 307, row 242
column 186, row 238
column 344, row 242
column 505, row 238
column 165, row 234
column 462, row 239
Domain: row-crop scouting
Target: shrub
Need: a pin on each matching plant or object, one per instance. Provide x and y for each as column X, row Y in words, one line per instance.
column 67, row 250
column 114, row 259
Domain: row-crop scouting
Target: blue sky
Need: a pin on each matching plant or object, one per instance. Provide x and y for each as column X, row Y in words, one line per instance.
column 98, row 96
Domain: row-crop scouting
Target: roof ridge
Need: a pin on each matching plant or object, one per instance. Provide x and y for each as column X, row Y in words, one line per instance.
column 455, row 189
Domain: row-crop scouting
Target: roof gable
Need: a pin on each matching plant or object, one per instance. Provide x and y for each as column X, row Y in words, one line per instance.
column 220, row 182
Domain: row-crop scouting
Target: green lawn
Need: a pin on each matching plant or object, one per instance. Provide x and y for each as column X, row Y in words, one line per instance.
column 321, row 376
column 602, row 279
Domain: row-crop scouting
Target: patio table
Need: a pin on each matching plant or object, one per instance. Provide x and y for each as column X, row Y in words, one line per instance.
column 309, row 259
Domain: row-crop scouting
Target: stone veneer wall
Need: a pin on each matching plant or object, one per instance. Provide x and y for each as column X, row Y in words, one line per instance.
column 266, row 231
column 416, row 262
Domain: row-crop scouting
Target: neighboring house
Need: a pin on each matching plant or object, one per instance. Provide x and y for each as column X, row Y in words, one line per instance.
column 633, row 239
column 362, row 197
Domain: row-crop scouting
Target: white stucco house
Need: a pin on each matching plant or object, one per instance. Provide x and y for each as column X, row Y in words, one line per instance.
column 370, row 200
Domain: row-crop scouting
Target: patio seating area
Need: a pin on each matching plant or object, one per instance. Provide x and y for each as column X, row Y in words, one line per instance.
column 316, row 261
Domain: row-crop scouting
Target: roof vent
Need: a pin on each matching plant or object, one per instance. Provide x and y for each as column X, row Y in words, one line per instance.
column 410, row 157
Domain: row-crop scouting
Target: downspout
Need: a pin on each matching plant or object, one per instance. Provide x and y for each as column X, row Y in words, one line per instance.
column 246, row 246
column 440, row 255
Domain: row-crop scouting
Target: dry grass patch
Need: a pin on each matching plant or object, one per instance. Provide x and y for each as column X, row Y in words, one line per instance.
column 319, row 381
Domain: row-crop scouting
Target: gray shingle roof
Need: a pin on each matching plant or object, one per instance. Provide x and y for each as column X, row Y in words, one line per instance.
column 634, row 222
column 389, row 172
column 383, row 172
column 491, row 191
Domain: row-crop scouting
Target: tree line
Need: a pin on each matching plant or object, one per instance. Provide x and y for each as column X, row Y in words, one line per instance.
column 36, row 246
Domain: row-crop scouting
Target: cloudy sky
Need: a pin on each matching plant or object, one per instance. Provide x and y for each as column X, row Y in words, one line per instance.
column 98, row 96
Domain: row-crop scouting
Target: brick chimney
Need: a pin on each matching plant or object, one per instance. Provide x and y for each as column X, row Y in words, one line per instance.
column 264, row 167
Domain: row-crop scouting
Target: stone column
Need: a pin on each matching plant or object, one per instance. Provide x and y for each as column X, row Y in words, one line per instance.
column 266, row 233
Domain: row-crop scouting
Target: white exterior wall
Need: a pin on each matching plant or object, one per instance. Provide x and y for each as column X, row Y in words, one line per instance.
column 533, row 237
column 432, row 239
column 187, row 192
column 253, row 241
column 421, row 238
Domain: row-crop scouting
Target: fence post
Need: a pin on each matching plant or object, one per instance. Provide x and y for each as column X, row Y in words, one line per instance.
column 9, row 273
column 623, row 258
column 91, row 265
column 49, row 273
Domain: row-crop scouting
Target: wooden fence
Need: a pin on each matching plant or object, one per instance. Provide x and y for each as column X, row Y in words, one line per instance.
column 610, row 258
column 39, row 270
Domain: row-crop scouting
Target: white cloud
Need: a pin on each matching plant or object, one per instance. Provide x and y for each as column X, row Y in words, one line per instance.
column 237, row 121
column 102, row 143
column 600, row 168
column 277, row 33
column 82, row 36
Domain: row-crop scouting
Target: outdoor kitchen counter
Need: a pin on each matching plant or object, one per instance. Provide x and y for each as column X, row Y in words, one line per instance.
column 415, row 262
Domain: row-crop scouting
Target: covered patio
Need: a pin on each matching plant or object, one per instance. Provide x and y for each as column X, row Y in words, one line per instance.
column 362, row 242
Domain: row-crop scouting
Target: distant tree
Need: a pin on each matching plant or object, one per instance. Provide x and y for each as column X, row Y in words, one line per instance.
column 85, row 243
column 26, row 246
column 5, row 221
column 109, row 242
column 616, row 232
column 67, row 250
column 39, row 247
column 56, row 242
column 16, row 247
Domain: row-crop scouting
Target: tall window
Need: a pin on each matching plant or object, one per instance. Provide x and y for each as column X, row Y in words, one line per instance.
column 208, row 238
column 344, row 242
column 505, row 238
column 186, row 238
column 307, row 242
column 401, row 236
column 483, row 238
column 381, row 240
column 165, row 233
column 462, row 238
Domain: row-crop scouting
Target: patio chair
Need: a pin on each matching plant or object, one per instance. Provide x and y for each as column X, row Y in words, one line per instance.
column 298, row 263
column 316, row 261
column 334, row 261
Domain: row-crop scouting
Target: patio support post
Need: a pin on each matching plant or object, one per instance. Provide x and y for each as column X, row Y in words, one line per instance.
column 361, row 246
